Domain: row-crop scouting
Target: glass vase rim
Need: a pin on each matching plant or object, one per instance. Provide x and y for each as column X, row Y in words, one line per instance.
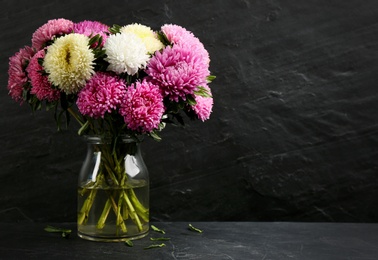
column 108, row 139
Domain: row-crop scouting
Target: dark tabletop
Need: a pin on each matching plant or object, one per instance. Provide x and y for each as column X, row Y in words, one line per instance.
column 219, row 240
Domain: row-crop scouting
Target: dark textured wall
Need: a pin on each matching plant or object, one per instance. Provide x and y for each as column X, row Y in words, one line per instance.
column 293, row 135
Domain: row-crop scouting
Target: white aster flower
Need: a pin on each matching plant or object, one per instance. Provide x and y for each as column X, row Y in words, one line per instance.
column 125, row 53
column 146, row 34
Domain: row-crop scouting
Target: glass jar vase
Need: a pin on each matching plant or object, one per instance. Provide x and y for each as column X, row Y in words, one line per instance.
column 113, row 191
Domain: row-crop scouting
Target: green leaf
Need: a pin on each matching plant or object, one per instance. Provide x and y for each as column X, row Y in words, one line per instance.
column 94, row 39
column 35, row 103
column 65, row 232
column 155, row 136
column 161, row 126
column 25, row 94
column 100, row 40
column 66, row 235
column 115, row 29
column 210, row 78
column 155, row 246
column 181, row 105
column 40, row 61
column 50, row 105
column 203, row 92
column 99, row 53
column 163, row 38
column 129, row 243
column 192, row 228
column 191, row 100
column 58, row 119
column 157, row 229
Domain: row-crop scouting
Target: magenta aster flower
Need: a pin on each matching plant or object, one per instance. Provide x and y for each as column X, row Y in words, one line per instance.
column 142, row 107
column 46, row 32
column 180, row 36
column 41, row 87
column 102, row 93
column 17, row 74
column 204, row 106
column 177, row 71
column 92, row 28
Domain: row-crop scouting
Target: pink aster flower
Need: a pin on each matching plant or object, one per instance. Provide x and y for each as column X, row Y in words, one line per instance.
column 41, row 87
column 92, row 28
column 204, row 106
column 181, row 36
column 46, row 32
column 177, row 71
column 142, row 107
column 102, row 93
column 17, row 74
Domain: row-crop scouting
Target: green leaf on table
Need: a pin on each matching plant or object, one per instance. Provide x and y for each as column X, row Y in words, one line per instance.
column 65, row 232
column 155, row 246
column 159, row 238
column 157, row 229
column 192, row 228
column 129, row 243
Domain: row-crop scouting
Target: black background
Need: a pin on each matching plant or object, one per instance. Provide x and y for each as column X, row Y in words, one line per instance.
column 294, row 130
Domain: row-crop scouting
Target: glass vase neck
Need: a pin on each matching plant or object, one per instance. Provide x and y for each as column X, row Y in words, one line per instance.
column 109, row 139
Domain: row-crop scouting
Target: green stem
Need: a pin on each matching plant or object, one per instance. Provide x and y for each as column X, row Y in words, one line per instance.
column 133, row 215
column 83, row 214
column 140, row 209
column 110, row 203
column 111, row 175
column 120, row 221
column 104, row 214
column 125, row 212
column 122, row 201
column 78, row 119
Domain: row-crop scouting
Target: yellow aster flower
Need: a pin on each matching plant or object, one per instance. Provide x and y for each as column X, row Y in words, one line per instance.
column 146, row 34
column 69, row 62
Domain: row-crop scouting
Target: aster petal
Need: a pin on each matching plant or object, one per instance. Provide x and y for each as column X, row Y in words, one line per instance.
column 203, row 106
column 69, row 62
column 177, row 71
column 46, row 32
column 180, row 36
column 92, row 28
column 103, row 93
column 146, row 34
column 17, row 74
column 142, row 107
column 41, row 87
column 126, row 53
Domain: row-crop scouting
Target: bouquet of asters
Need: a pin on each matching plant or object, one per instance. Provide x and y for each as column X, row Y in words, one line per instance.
column 114, row 81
